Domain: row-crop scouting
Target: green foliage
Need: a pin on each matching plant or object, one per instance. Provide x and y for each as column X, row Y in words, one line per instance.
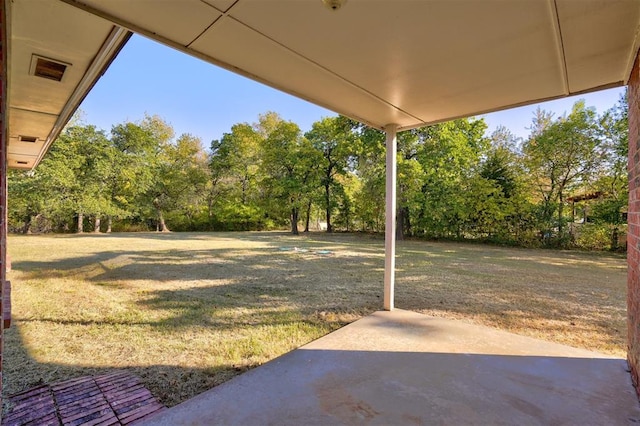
column 562, row 156
column 27, row 201
column 235, row 163
column 498, row 169
column 337, row 147
column 291, row 169
column 453, row 181
column 448, row 155
column 181, row 178
column 593, row 237
column 370, row 164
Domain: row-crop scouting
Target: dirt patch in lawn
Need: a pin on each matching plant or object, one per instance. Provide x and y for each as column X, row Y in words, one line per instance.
column 186, row 312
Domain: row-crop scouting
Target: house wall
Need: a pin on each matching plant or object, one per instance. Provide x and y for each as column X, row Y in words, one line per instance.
column 3, row 175
column 633, row 234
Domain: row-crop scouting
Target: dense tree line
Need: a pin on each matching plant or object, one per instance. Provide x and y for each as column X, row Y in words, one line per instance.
column 565, row 185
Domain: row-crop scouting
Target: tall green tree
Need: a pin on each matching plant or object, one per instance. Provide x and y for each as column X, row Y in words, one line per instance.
column 449, row 154
column 236, row 176
column 502, row 207
column 560, row 156
column 237, row 156
column 78, row 163
column 410, row 178
column 612, row 179
column 369, row 199
column 336, row 144
column 157, row 197
column 290, row 163
column 134, row 166
column 68, row 182
column 182, row 179
column 27, row 199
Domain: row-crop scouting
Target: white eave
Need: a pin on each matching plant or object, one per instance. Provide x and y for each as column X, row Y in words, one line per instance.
column 37, row 107
column 409, row 62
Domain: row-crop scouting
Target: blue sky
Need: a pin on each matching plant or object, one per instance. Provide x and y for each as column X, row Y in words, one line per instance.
column 198, row 98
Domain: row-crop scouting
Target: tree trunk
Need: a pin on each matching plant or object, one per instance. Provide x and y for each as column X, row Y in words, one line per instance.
column 96, row 225
column 244, row 190
column 80, row 223
column 348, row 220
column 109, row 223
column 614, row 238
column 306, row 223
column 407, row 222
column 327, row 205
column 294, row 221
column 27, row 225
column 400, row 224
column 560, row 213
column 162, row 226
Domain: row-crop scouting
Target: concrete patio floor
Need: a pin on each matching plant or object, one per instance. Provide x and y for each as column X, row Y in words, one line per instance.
column 401, row 367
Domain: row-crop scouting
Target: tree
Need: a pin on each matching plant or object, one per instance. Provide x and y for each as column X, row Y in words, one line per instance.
column 68, row 182
column 236, row 175
column 561, row 155
column 183, row 175
column 133, row 167
column 334, row 141
column 236, row 156
column 612, row 179
column 369, row 200
column 116, row 185
column 290, row 164
column 153, row 140
column 27, row 199
column 409, row 181
column 502, row 207
column 77, row 164
column 449, row 154
column 93, row 148
column 349, row 185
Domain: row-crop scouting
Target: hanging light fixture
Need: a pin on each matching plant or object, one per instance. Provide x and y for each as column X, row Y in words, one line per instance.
column 334, row 4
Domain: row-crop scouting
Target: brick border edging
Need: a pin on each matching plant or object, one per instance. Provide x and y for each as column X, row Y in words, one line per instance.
column 115, row 398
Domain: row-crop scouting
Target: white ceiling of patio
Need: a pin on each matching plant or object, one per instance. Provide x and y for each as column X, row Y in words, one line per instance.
column 408, row 62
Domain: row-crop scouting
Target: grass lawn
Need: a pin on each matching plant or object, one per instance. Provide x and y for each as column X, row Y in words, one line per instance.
column 189, row 311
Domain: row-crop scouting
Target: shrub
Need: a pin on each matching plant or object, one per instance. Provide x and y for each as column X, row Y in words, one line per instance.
column 592, row 236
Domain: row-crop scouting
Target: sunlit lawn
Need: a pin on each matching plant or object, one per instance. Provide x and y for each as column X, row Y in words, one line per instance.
column 188, row 311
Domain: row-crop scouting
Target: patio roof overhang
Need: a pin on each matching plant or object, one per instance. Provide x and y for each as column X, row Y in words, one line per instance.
column 406, row 62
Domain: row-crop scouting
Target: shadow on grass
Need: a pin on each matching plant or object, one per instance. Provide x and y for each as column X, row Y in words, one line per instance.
column 311, row 276
column 242, row 235
column 573, row 298
column 127, row 264
column 230, row 288
column 185, row 290
column 170, row 384
column 505, row 287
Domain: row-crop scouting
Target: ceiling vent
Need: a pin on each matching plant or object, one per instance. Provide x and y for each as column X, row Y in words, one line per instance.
column 47, row 68
column 30, row 139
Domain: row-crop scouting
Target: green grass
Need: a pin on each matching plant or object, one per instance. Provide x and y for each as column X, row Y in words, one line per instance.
column 189, row 311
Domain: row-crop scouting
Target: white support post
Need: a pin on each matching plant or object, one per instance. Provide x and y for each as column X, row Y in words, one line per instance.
column 390, row 221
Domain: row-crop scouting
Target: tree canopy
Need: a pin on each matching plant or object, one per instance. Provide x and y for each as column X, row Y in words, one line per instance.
column 565, row 185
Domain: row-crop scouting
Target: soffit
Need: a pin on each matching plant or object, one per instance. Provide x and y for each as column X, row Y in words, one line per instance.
column 407, row 62
column 37, row 107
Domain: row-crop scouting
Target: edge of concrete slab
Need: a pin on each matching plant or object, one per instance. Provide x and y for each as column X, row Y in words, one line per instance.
column 405, row 367
column 401, row 330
